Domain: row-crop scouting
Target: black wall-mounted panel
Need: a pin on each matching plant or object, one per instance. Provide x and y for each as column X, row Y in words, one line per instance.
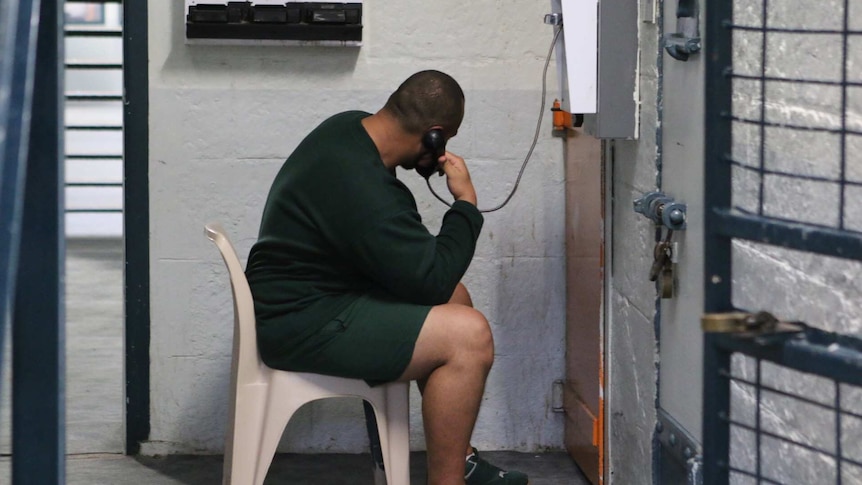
column 309, row 21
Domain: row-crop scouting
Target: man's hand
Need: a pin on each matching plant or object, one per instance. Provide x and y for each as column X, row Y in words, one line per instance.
column 458, row 178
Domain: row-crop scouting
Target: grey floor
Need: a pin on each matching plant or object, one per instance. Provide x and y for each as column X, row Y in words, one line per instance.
column 94, row 404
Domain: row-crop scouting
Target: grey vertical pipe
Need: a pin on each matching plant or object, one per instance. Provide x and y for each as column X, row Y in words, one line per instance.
column 38, row 329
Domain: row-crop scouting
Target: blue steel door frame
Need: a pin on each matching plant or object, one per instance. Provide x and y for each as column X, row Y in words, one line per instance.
column 33, row 241
column 16, row 82
column 809, row 350
column 717, row 247
column 136, row 227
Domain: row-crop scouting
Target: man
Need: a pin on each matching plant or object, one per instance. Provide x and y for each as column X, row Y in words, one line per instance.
column 348, row 282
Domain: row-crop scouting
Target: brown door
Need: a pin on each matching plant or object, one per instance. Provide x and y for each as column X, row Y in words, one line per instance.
column 583, row 390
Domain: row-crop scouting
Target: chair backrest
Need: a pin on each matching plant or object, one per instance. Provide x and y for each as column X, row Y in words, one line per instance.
column 245, row 367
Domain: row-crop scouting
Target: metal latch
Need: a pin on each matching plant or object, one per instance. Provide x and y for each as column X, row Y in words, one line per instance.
column 749, row 324
column 686, row 40
column 662, row 210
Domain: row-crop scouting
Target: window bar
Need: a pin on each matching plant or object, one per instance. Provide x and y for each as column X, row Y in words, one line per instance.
column 821, row 82
column 757, row 433
column 784, row 439
column 101, row 32
column 762, row 128
column 843, row 146
column 785, row 30
column 95, row 127
column 782, row 173
column 752, row 475
column 83, row 65
column 838, row 458
column 84, row 156
column 93, row 97
column 791, row 126
column 796, row 397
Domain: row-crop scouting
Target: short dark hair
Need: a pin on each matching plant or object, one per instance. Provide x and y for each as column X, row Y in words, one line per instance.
column 426, row 99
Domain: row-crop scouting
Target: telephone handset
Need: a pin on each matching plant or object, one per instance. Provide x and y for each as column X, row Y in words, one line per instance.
column 435, row 143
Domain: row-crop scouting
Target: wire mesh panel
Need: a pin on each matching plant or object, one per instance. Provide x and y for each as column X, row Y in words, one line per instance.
column 783, row 227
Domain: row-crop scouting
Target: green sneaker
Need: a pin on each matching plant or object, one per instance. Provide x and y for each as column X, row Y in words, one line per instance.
column 480, row 472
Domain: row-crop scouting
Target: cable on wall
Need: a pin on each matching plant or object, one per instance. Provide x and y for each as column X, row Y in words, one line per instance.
column 535, row 136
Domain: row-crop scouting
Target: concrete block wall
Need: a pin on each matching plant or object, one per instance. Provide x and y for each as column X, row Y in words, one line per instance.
column 222, row 120
column 631, row 347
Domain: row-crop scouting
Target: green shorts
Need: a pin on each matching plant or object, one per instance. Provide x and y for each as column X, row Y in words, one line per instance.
column 372, row 339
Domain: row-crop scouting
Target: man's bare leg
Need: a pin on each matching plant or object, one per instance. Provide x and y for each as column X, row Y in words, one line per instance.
column 461, row 297
column 451, row 360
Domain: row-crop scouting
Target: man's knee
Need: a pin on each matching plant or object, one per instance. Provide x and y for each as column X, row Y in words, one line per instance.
column 461, row 296
column 476, row 337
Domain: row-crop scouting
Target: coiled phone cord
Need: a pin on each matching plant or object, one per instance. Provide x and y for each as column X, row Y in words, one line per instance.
column 535, row 137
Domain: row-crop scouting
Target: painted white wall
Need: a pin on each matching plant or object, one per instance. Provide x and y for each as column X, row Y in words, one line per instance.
column 223, row 119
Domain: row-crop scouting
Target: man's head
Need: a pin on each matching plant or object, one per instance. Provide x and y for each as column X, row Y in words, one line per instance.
column 426, row 100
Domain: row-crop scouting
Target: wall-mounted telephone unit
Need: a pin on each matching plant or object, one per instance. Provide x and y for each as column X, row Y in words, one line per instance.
column 277, row 22
column 597, row 63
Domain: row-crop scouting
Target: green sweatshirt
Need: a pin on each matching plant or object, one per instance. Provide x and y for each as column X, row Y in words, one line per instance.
column 338, row 224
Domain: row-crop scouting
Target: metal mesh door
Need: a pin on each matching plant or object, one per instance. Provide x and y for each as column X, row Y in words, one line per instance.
column 783, row 242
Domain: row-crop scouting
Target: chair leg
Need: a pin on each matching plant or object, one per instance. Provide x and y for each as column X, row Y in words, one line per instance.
column 275, row 420
column 395, row 434
column 243, row 437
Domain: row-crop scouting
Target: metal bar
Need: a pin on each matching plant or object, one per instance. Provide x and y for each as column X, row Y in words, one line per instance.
column 792, row 396
column 758, row 391
column 100, row 65
column 843, row 146
column 791, row 126
column 94, row 211
column 784, row 439
column 136, row 224
column 789, row 234
column 16, row 88
column 93, row 97
column 79, row 156
column 838, row 452
column 785, row 30
column 717, row 267
column 38, row 332
column 94, row 184
column 95, row 127
column 761, row 159
column 752, row 475
column 820, row 353
column 99, row 32
column 821, row 82
column 781, row 173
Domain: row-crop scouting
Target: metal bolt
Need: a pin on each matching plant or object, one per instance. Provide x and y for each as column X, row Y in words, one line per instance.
column 659, row 426
column 676, row 216
column 687, row 452
column 672, row 439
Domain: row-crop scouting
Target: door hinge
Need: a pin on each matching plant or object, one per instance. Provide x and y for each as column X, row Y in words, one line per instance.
column 748, row 323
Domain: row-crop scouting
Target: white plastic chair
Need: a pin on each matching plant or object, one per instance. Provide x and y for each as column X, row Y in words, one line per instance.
column 262, row 400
